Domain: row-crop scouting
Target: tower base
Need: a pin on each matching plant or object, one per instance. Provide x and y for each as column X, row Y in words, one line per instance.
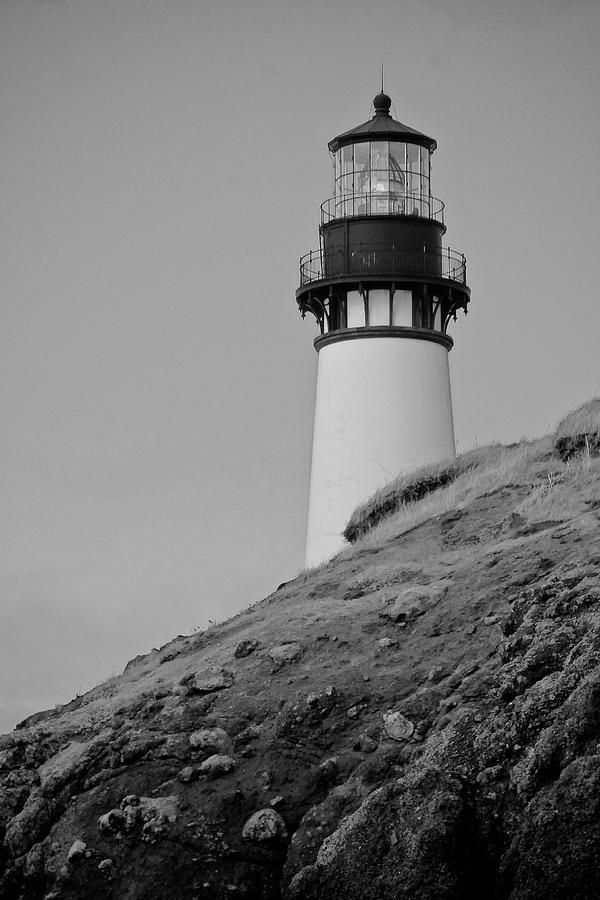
column 383, row 407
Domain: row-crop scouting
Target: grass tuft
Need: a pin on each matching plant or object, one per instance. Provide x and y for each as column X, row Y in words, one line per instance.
column 479, row 472
column 436, row 489
column 579, row 432
column 411, row 488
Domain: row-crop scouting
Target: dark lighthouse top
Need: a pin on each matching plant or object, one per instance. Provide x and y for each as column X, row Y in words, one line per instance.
column 382, row 231
column 382, row 125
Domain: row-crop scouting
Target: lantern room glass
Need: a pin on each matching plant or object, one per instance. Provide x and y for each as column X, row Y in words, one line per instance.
column 382, row 178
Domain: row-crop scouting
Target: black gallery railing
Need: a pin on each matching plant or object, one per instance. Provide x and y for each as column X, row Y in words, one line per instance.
column 377, row 259
column 382, row 204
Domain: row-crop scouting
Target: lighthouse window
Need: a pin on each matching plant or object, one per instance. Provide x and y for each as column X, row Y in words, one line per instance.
column 398, row 156
column 336, row 314
column 339, row 174
column 347, row 168
column 380, row 180
column 422, row 311
column 347, row 155
column 361, row 168
column 418, row 312
column 397, row 177
column 402, row 313
column 379, row 166
column 340, row 170
column 355, row 310
column 413, row 178
column 425, row 165
column 361, row 180
column 379, row 307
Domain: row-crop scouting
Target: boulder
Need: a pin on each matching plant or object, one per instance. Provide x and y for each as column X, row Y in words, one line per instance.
column 211, row 679
column 216, row 765
column 77, row 851
column 112, row 821
column 245, row 648
column 285, row 653
column 396, row 726
column 215, row 739
column 385, row 642
column 264, row 825
column 412, row 602
column 187, row 774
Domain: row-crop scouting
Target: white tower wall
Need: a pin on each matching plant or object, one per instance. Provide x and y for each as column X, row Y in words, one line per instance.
column 383, row 406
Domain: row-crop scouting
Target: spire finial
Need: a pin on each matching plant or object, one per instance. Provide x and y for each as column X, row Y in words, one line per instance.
column 382, row 102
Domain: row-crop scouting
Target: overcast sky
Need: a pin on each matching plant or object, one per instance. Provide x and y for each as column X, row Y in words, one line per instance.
column 162, row 166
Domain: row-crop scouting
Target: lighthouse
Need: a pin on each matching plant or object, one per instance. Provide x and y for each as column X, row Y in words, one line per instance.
column 382, row 289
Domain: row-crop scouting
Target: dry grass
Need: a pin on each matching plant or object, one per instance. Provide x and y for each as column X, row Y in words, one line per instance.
column 583, row 420
column 566, row 495
column 405, row 489
column 579, row 431
column 436, row 489
column 561, row 486
column 490, row 468
column 412, row 488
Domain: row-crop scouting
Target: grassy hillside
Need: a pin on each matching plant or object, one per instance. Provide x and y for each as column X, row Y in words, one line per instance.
column 576, row 439
column 416, row 718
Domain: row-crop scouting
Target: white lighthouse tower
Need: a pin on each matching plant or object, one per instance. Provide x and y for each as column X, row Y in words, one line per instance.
column 382, row 289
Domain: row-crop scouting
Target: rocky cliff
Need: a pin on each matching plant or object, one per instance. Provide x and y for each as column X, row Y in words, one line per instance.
column 419, row 718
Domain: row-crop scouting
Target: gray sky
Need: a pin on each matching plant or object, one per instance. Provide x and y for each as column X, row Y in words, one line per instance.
column 163, row 162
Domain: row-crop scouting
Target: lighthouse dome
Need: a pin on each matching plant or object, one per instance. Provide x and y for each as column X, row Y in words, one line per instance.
column 382, row 127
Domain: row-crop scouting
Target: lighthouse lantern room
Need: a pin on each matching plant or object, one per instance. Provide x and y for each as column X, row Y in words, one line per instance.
column 382, row 289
